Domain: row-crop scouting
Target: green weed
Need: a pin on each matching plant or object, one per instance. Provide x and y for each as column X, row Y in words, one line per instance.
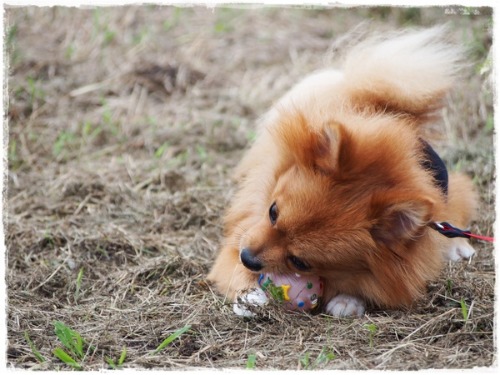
column 33, row 348
column 10, row 42
column 140, row 37
column 107, row 119
column 161, row 150
column 465, row 309
column 109, row 36
column 152, row 121
column 222, row 27
column 305, row 360
column 489, row 123
column 225, row 20
column 64, row 140
column 11, row 36
column 372, row 330
column 120, row 361
column 202, row 152
column 49, row 239
column 251, row 361
column 71, row 339
column 66, row 358
column 73, row 342
column 89, row 132
column 326, row 355
column 173, row 20
column 35, row 92
column 171, row 338
column 14, row 160
column 101, row 27
column 69, row 52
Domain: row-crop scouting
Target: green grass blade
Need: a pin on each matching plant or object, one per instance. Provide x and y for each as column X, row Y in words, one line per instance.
column 69, row 338
column 304, row 360
column 161, row 150
column 372, row 330
column 78, row 283
column 111, row 363
column 122, row 356
column 465, row 309
column 78, row 343
column 63, row 332
column 252, row 358
column 171, row 338
column 66, row 358
column 325, row 356
column 117, row 365
column 33, row 348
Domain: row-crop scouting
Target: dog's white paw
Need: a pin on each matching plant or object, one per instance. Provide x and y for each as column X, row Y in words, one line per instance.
column 242, row 305
column 343, row 305
column 459, row 249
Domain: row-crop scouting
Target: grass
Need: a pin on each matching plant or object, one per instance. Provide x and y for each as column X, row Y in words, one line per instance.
column 119, row 363
column 117, row 186
column 79, row 279
column 174, row 336
column 174, row 19
column 73, row 342
column 251, row 362
column 66, row 358
column 64, row 142
column 324, row 357
column 161, row 150
column 372, row 330
column 305, row 361
column 33, row 348
column 465, row 309
column 15, row 161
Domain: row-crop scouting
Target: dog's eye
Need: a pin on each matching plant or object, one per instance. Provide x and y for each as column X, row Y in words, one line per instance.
column 273, row 213
column 299, row 264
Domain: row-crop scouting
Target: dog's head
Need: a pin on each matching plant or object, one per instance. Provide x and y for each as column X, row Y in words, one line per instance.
column 342, row 199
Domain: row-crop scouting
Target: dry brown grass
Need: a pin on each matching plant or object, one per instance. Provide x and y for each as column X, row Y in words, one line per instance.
column 124, row 125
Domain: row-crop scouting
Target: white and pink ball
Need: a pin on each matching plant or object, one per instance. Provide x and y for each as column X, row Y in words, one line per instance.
column 294, row 291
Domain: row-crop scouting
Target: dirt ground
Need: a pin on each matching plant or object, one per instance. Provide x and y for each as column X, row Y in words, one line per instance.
column 124, row 125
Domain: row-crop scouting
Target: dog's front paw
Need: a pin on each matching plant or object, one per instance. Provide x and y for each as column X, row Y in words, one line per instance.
column 343, row 305
column 459, row 249
column 243, row 304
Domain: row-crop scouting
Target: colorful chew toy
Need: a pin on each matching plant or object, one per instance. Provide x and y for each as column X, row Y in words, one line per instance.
column 295, row 292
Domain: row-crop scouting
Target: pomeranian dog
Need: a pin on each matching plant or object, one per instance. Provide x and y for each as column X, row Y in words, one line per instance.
column 341, row 184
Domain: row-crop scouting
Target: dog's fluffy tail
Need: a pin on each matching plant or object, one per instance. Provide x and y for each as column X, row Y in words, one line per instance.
column 407, row 72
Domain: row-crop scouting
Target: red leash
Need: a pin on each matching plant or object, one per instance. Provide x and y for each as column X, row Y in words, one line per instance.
column 448, row 230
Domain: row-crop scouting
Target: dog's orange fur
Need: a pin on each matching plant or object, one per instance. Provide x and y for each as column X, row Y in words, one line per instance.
column 342, row 161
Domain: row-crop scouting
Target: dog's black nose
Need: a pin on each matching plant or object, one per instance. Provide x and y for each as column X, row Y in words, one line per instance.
column 250, row 261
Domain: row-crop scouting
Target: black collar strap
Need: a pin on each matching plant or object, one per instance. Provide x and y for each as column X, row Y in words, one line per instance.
column 435, row 165
column 448, row 230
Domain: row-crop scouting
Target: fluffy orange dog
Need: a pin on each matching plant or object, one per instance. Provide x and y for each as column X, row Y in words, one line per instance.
column 340, row 183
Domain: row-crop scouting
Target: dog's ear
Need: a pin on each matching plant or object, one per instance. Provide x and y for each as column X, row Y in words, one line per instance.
column 399, row 220
column 322, row 150
column 330, row 147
